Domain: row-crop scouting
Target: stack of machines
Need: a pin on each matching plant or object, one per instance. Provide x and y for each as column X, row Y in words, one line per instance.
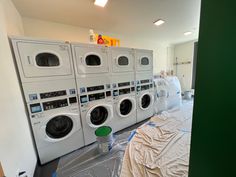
column 72, row 89
column 92, row 68
column 48, row 83
column 123, row 87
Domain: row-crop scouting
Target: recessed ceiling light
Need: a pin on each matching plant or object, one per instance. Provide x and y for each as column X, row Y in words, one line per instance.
column 159, row 22
column 100, row 3
column 187, row 33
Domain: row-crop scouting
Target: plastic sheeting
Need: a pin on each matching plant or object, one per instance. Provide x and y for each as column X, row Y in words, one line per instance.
column 167, row 93
column 88, row 162
column 161, row 147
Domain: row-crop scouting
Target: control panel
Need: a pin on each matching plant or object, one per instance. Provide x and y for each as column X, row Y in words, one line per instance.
column 123, row 88
column 145, row 84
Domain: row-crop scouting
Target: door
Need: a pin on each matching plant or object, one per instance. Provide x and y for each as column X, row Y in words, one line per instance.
column 91, row 59
column 98, row 115
column 59, row 127
column 122, row 60
column 144, row 60
column 44, row 59
column 125, row 107
column 146, row 100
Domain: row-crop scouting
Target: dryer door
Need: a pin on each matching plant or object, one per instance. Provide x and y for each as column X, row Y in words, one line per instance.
column 59, row 127
column 144, row 60
column 146, row 100
column 39, row 59
column 99, row 115
column 91, row 59
column 122, row 60
column 125, row 107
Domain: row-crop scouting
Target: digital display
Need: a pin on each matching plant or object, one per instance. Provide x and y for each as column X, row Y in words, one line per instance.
column 132, row 89
column 55, row 104
column 115, row 93
column 96, row 96
column 83, row 99
column 151, row 85
column 145, row 87
column 72, row 91
column 34, row 108
column 73, row 100
column 145, row 81
column 108, row 93
column 124, row 91
column 33, row 97
column 52, row 94
column 138, row 88
column 95, row 88
column 123, row 84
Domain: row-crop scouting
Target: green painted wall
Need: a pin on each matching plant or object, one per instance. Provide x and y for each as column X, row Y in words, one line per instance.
column 213, row 147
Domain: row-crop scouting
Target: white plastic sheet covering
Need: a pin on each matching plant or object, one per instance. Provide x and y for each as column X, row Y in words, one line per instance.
column 167, row 93
column 160, row 148
column 88, row 162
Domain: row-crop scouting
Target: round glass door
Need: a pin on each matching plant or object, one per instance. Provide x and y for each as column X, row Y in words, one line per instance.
column 59, row 127
column 145, row 101
column 125, row 107
column 98, row 115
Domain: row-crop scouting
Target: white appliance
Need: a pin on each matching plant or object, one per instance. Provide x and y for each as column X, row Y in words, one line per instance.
column 55, row 117
column 39, row 60
column 124, row 101
column 144, row 95
column 95, row 104
column 90, row 59
column 122, row 60
column 48, row 82
column 143, row 60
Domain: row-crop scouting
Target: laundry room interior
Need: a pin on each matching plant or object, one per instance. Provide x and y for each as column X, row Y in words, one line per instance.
column 99, row 88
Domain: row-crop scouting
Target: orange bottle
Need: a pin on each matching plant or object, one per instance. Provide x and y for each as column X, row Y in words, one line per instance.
column 100, row 40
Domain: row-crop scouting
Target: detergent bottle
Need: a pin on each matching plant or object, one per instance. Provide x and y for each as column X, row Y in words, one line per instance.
column 92, row 37
column 100, row 40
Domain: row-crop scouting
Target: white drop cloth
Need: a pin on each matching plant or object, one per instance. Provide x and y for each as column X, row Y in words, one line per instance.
column 160, row 148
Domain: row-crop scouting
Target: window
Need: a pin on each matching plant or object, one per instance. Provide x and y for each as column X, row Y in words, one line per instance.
column 93, row 60
column 47, row 60
column 144, row 61
column 123, row 61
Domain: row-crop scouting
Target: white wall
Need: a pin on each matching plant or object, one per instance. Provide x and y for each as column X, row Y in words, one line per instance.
column 53, row 30
column 184, row 52
column 16, row 147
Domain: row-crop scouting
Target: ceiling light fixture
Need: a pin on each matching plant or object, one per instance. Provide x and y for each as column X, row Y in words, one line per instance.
column 159, row 22
column 100, row 3
column 187, row 33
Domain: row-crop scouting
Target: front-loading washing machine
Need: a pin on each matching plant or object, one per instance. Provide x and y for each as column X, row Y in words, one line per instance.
column 95, row 104
column 124, row 101
column 55, row 117
column 144, row 95
column 40, row 60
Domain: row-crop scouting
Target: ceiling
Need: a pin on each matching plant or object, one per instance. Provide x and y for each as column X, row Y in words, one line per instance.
column 125, row 17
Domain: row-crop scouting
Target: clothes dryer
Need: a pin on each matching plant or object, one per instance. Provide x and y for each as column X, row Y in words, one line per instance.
column 90, row 59
column 39, row 60
column 143, row 60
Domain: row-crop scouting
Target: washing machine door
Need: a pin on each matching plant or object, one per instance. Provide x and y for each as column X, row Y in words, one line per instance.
column 43, row 59
column 59, row 127
column 125, row 107
column 90, row 59
column 99, row 115
column 146, row 100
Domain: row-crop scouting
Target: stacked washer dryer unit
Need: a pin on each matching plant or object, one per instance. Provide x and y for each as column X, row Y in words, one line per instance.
column 94, row 87
column 48, row 82
column 123, row 87
column 144, row 83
